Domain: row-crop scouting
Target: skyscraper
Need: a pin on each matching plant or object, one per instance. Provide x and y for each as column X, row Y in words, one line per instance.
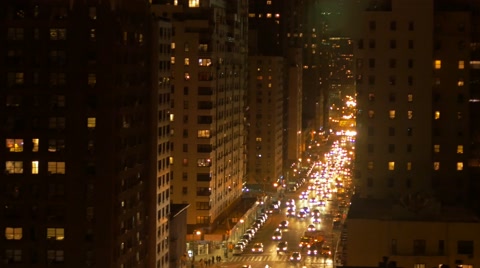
column 80, row 103
column 209, row 73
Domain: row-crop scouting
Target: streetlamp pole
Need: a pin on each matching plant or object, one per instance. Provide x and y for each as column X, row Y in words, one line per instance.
column 194, row 242
column 242, row 221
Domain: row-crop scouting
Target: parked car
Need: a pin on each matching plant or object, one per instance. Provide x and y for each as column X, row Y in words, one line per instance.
column 257, row 248
column 238, row 250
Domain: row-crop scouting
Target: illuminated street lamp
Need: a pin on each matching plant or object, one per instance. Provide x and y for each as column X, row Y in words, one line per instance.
column 195, row 233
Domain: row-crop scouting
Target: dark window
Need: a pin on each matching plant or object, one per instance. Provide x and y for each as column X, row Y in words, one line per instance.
column 369, row 182
column 408, row 183
column 409, row 148
column 391, row 131
column 391, row 148
column 410, row 80
column 371, row 43
column 371, row 96
column 411, row 26
column 371, row 80
column 392, row 63
column 441, row 247
column 393, row 44
column 465, row 247
column 392, row 97
column 203, row 177
column 370, row 131
column 410, row 44
column 394, row 247
column 204, row 148
column 370, row 148
column 185, row 148
column 460, row 98
column 371, row 63
column 419, row 247
column 392, row 80
column 390, row 182
column 360, row 44
column 409, row 131
column 393, row 25
column 410, row 63
column 372, row 25
column 185, row 91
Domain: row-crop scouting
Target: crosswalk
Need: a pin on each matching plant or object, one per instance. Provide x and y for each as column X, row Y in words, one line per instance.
column 271, row 258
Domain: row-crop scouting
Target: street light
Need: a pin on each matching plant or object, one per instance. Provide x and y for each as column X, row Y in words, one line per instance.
column 195, row 233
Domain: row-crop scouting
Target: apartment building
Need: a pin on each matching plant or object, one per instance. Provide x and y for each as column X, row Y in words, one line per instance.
column 207, row 107
column 80, row 111
column 265, row 122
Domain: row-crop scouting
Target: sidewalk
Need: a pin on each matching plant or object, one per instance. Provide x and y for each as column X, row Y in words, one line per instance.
column 205, row 260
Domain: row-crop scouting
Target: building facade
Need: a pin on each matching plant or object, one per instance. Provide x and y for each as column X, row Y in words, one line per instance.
column 265, row 122
column 207, row 109
column 80, row 106
column 413, row 84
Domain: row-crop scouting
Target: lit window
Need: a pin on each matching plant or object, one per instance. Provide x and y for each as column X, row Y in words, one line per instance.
column 277, row 15
column 186, row 61
column 410, row 97
column 391, row 165
column 461, row 64
column 172, row 60
column 459, row 149
column 36, row 143
column 370, row 165
column 55, row 233
column 459, row 115
column 203, row 133
column 204, row 62
column 204, row 162
column 14, row 145
column 269, row 85
column 91, row 122
column 436, row 148
column 371, row 114
column 409, row 166
column 12, row 233
column 14, row 167
column 460, row 82
column 172, row 117
column 259, row 77
column 55, row 255
column 185, row 162
column 92, row 80
column 186, row 47
column 170, row 160
column 409, row 114
column 56, row 167
column 459, row 166
column 172, row 45
column 438, row 64
column 93, row 34
column 186, row 76
column 92, row 13
column 436, row 165
column 436, row 115
column 391, row 114
column 269, row 15
column 269, row 2
column 193, row 3
column 35, row 167
column 58, row 34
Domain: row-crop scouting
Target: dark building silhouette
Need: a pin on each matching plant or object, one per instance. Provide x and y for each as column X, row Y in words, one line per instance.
column 84, row 124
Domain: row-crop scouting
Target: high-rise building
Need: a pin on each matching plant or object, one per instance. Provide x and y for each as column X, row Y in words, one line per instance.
column 209, row 58
column 265, row 121
column 83, row 115
column 417, row 87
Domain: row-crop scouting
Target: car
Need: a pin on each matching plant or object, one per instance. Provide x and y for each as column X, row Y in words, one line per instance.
column 301, row 215
column 296, row 256
column 305, row 209
column 247, row 237
column 282, row 246
column 290, row 202
column 290, row 212
column 277, row 235
column 283, row 225
column 250, row 232
column 257, row 248
column 315, row 213
column 244, row 241
column 237, row 250
column 326, row 251
column 315, row 249
column 259, row 222
column 243, row 244
column 316, row 220
column 246, row 266
column 311, row 228
column 305, row 242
